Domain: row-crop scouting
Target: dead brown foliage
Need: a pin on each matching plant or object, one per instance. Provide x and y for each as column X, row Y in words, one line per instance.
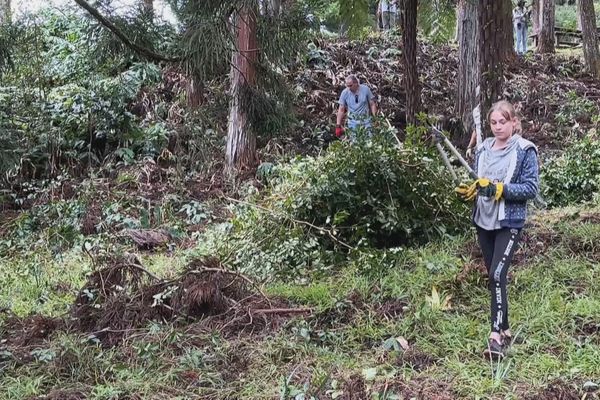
column 122, row 296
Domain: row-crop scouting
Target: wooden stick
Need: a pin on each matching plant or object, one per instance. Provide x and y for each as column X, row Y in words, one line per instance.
column 282, row 310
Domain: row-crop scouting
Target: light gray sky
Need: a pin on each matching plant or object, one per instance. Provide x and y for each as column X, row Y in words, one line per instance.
column 22, row 6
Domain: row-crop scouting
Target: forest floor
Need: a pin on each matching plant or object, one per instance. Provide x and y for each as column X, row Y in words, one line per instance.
column 104, row 295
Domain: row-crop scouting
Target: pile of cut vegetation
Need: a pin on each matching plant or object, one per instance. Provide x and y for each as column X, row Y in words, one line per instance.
column 123, row 296
column 314, row 211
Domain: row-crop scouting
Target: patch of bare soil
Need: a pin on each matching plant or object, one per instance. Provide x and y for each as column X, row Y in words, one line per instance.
column 29, row 331
column 354, row 388
column 91, row 219
column 557, row 390
column 416, row 359
column 21, row 335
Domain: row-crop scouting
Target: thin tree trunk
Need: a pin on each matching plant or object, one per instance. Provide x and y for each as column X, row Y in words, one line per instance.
column 468, row 63
column 241, row 140
column 506, row 29
column 546, row 36
column 585, row 8
column 535, row 18
column 579, row 23
column 194, row 90
column 5, row 12
column 490, row 65
column 457, row 27
column 409, row 38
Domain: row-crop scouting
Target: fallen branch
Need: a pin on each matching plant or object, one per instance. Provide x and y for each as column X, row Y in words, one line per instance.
column 282, row 311
column 122, row 36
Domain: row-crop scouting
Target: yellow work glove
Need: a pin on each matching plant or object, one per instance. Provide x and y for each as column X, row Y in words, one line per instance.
column 482, row 186
column 462, row 191
column 486, row 188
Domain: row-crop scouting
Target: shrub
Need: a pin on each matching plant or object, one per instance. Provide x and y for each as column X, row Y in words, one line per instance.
column 371, row 193
column 356, row 195
column 574, row 176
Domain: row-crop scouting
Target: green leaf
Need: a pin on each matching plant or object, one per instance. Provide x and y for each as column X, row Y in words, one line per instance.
column 369, row 374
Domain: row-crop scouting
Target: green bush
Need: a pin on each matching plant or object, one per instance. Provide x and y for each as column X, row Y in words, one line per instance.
column 566, row 15
column 315, row 209
column 574, row 176
column 371, row 193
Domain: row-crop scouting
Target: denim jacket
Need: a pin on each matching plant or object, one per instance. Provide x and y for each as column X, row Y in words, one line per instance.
column 521, row 183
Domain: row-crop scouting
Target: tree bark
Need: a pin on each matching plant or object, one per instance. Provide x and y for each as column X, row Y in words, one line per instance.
column 194, row 90
column 468, row 63
column 535, row 18
column 585, row 8
column 241, row 140
column 270, row 7
column 546, row 36
column 507, row 33
column 409, row 39
column 5, row 12
column 490, row 65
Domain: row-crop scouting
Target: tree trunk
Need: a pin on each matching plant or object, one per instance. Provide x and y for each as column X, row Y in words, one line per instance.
column 507, row 33
column 535, row 18
column 457, row 27
column 241, row 140
column 585, row 8
column 578, row 14
column 468, row 63
column 546, row 36
column 194, row 90
column 409, row 38
column 270, row 7
column 5, row 12
column 490, row 65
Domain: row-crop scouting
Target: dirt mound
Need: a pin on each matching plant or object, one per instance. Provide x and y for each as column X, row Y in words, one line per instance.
column 122, row 296
column 30, row 331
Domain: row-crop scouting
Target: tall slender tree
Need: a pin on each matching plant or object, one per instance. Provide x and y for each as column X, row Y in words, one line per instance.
column 546, row 35
column 409, row 40
column 585, row 9
column 468, row 62
column 241, row 138
column 490, row 21
column 536, row 17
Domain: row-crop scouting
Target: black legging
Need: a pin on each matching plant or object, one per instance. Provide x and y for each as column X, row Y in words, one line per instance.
column 498, row 247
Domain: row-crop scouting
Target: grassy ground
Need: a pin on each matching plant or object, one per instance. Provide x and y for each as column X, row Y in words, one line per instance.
column 414, row 326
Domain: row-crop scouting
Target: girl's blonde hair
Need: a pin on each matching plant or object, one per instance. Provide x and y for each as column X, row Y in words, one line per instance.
column 507, row 110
